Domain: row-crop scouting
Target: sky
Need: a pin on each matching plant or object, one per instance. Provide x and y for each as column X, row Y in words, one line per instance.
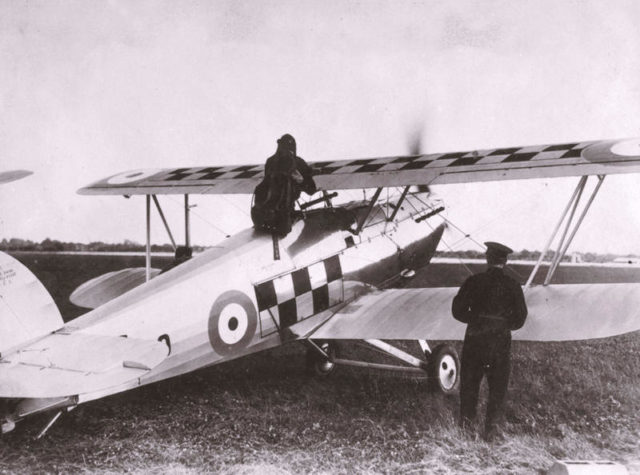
column 89, row 89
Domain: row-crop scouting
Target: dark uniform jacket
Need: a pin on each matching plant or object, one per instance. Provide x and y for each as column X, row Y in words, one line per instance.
column 292, row 168
column 286, row 176
column 490, row 303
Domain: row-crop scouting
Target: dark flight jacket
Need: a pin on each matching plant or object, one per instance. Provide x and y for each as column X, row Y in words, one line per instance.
column 491, row 304
column 286, row 176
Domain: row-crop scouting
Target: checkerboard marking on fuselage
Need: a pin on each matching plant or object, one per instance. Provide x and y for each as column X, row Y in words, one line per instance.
column 293, row 297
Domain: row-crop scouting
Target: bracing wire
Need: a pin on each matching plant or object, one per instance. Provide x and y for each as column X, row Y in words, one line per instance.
column 464, row 238
column 243, row 211
column 198, row 215
column 441, row 239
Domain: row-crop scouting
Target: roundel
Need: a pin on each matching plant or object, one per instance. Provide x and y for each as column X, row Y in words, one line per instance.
column 232, row 322
column 617, row 153
column 627, row 148
column 132, row 175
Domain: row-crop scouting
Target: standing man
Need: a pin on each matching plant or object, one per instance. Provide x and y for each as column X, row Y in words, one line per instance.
column 492, row 305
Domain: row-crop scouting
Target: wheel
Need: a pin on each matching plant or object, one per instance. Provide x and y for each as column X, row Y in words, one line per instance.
column 443, row 369
column 318, row 365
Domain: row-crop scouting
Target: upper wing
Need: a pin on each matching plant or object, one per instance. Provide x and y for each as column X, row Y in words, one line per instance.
column 540, row 161
column 556, row 313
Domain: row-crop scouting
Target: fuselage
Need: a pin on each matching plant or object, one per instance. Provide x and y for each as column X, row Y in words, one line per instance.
column 235, row 298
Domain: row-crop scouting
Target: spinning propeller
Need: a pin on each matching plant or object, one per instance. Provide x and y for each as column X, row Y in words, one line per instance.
column 415, row 149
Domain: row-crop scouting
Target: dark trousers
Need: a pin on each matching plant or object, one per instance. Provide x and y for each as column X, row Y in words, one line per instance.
column 490, row 355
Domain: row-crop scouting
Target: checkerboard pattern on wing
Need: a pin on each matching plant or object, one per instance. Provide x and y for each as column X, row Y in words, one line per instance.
column 457, row 159
column 290, row 298
column 369, row 165
column 211, row 173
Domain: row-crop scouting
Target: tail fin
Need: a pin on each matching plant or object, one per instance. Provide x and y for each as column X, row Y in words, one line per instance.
column 27, row 311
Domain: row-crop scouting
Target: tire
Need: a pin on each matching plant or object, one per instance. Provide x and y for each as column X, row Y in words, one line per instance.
column 318, row 365
column 443, row 369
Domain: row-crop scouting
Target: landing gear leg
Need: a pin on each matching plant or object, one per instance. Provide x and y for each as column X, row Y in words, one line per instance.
column 319, row 360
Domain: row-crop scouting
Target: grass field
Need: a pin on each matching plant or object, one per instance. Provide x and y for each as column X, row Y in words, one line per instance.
column 263, row 414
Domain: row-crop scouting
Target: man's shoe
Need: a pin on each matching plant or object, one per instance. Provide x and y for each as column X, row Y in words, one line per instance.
column 468, row 428
column 494, row 435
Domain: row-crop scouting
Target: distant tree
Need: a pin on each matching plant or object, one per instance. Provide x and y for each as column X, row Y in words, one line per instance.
column 49, row 245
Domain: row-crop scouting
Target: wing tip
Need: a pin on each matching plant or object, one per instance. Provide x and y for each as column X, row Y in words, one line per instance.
column 14, row 175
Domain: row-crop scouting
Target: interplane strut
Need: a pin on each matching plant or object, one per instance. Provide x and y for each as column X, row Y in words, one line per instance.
column 564, row 243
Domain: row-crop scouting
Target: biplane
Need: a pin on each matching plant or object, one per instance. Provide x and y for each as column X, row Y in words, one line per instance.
column 332, row 278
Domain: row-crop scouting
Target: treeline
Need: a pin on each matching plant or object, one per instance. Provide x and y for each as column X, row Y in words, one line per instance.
column 526, row 255
column 53, row 245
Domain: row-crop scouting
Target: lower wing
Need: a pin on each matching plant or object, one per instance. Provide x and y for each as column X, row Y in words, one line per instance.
column 556, row 313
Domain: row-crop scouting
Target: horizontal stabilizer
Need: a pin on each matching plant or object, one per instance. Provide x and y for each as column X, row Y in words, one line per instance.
column 66, row 364
column 106, row 287
column 556, row 313
column 27, row 311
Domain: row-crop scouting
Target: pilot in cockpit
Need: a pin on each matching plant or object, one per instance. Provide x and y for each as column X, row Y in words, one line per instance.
column 285, row 176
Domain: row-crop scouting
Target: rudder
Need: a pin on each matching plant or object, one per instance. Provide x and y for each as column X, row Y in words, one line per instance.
column 27, row 310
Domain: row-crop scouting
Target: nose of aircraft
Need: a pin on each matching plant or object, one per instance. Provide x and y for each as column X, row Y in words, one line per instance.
column 419, row 253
